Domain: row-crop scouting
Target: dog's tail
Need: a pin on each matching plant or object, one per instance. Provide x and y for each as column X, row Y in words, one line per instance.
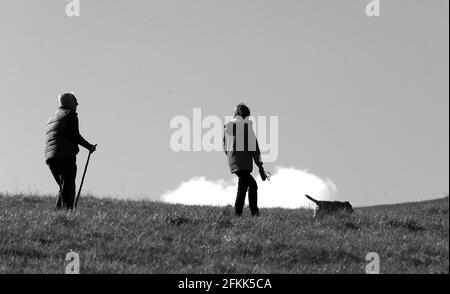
column 312, row 199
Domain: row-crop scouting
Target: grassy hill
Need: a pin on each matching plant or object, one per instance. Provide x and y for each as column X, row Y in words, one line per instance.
column 146, row 237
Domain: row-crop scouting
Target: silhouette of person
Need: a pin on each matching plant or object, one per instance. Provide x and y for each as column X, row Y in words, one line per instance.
column 61, row 148
column 241, row 147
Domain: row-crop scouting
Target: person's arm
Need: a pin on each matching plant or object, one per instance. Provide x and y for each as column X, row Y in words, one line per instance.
column 228, row 138
column 224, row 140
column 256, row 153
column 74, row 132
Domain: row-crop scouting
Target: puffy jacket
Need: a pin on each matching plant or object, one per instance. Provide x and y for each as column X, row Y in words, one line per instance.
column 240, row 145
column 62, row 135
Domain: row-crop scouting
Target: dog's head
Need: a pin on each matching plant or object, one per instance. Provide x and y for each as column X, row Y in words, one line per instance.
column 348, row 207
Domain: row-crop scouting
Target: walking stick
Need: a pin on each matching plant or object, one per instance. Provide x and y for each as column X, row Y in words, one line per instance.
column 82, row 180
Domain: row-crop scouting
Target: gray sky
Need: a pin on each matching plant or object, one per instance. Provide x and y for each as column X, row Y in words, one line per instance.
column 361, row 101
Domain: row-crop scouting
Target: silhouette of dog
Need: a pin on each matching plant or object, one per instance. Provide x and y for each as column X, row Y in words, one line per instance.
column 329, row 207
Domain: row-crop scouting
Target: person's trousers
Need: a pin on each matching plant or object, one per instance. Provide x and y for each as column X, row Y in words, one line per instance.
column 246, row 183
column 64, row 171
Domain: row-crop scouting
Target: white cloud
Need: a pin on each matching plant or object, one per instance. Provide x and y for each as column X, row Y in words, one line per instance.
column 286, row 188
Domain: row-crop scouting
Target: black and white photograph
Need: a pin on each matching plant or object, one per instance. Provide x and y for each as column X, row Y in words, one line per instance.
column 224, row 144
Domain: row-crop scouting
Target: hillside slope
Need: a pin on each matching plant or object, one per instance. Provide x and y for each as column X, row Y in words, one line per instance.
column 146, row 237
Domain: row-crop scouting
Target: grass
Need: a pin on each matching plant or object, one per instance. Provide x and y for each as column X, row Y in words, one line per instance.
column 147, row 237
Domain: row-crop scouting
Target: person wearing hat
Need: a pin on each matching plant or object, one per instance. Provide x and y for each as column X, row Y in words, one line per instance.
column 61, row 148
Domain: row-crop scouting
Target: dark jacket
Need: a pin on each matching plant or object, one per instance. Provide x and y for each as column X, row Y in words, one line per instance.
column 63, row 135
column 240, row 145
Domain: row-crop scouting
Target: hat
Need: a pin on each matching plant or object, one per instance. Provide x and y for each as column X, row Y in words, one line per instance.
column 68, row 100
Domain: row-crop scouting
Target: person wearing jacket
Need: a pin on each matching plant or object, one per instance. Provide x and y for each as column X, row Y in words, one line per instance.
column 61, row 148
column 241, row 147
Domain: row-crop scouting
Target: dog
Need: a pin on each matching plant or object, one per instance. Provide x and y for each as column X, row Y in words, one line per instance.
column 328, row 207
